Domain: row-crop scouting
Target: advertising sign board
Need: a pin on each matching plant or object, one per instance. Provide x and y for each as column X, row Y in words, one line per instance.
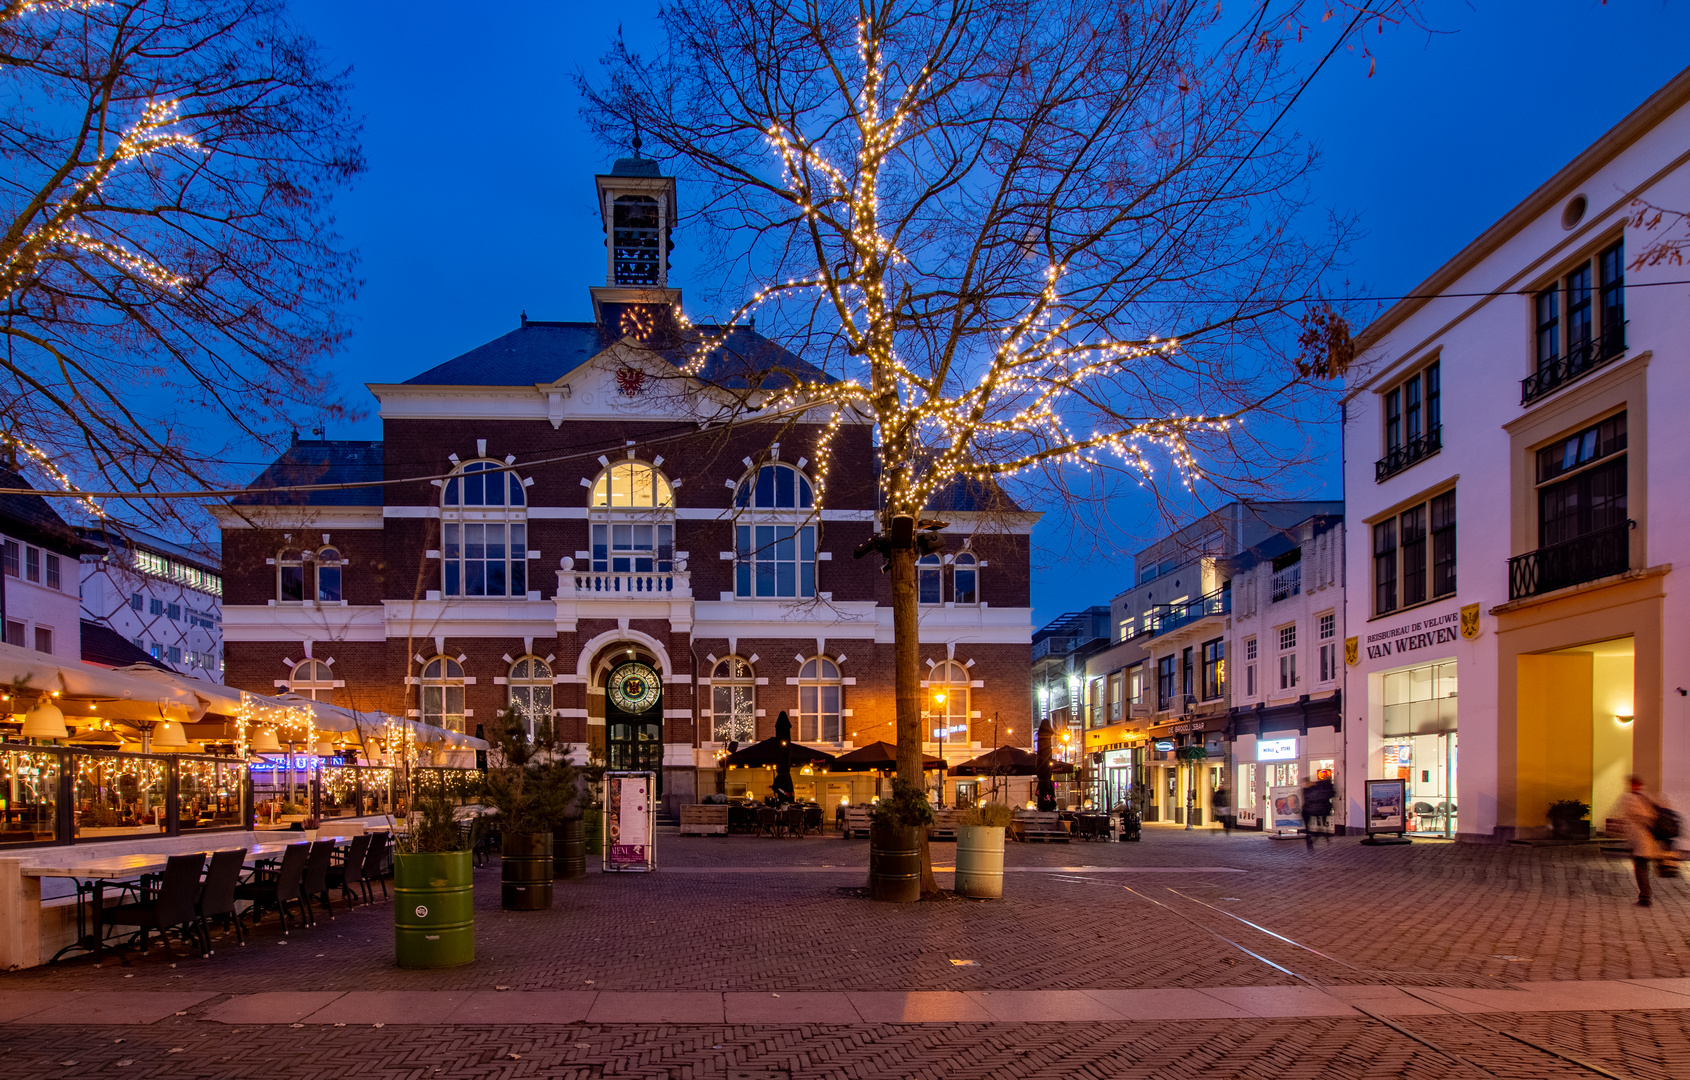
column 629, row 821
column 1387, row 806
column 1285, row 808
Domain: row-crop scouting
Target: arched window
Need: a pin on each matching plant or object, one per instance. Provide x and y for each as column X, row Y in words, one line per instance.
column 947, row 703
column 930, row 580
column 819, row 695
column 733, row 702
column 965, row 578
column 633, row 520
column 312, row 679
column 531, row 690
column 290, row 576
column 443, row 694
column 775, row 533
column 329, row 563
column 484, row 532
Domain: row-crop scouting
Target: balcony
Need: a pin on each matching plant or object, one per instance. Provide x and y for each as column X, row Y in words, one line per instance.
column 1287, row 583
column 676, row 585
column 1057, row 646
column 1572, row 562
column 1401, row 457
column 1582, row 359
column 1169, row 617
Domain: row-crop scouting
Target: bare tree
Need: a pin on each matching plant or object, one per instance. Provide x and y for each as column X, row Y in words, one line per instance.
column 1046, row 238
column 168, row 265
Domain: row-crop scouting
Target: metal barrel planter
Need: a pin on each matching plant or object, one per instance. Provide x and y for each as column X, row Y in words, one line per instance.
column 979, row 861
column 433, row 910
column 526, row 874
column 569, row 852
column 894, row 863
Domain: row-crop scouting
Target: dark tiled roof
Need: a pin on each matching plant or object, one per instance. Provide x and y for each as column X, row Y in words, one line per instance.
column 544, row 352
column 106, row 647
column 324, row 461
column 30, row 517
column 966, row 495
column 635, row 166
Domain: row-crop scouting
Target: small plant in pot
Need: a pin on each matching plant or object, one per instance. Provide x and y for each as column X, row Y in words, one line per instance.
column 895, row 840
column 979, row 851
column 433, row 898
column 1568, row 819
column 531, row 784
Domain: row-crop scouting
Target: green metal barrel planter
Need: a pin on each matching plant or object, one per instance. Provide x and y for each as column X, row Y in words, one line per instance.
column 894, row 862
column 526, row 875
column 433, row 910
column 979, row 861
column 569, row 852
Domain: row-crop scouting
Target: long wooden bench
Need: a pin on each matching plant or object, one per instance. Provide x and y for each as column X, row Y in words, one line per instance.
column 704, row 819
column 857, row 821
column 944, row 825
column 1031, row 825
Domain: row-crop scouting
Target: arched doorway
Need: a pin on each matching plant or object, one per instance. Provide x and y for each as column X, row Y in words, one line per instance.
column 633, row 713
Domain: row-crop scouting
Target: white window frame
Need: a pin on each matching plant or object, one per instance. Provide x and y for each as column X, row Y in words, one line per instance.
column 770, row 539
column 528, row 691
column 445, row 678
column 817, row 707
column 733, row 701
column 458, row 517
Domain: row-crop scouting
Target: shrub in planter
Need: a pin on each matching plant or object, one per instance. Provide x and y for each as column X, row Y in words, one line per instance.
column 895, row 842
column 1567, row 819
column 532, row 785
column 433, row 901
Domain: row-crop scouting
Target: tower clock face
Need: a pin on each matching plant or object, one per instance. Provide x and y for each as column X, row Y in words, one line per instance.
column 634, row 688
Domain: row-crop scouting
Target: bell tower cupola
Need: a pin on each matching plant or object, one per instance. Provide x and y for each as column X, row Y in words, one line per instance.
column 637, row 206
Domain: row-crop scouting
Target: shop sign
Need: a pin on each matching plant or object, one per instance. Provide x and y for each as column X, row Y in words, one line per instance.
column 1411, row 637
column 1164, row 745
column 1276, row 750
column 301, row 762
column 954, row 729
column 629, row 821
column 1387, row 806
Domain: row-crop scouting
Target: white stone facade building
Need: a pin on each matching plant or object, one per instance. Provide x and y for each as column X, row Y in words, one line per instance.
column 165, row 598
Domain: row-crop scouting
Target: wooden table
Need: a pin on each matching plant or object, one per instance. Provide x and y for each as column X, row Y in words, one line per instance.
column 78, row 864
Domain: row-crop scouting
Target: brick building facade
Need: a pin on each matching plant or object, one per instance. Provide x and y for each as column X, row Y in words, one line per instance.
column 554, row 506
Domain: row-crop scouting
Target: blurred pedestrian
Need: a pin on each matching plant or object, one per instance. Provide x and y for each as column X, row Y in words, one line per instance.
column 1317, row 807
column 1648, row 827
column 1221, row 800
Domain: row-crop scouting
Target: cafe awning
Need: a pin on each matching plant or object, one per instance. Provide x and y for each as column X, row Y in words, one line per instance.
column 1008, row 761
column 882, row 756
column 766, row 754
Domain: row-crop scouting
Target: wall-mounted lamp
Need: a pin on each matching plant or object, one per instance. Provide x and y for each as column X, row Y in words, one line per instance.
column 1624, row 718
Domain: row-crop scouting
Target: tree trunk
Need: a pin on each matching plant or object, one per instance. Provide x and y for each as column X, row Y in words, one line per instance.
column 906, row 662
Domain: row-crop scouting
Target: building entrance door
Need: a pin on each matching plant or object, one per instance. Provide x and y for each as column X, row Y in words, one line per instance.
column 633, row 720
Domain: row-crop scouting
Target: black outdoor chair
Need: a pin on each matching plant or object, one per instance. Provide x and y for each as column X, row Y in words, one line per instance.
column 813, row 819
column 768, row 819
column 170, row 907
column 217, row 894
column 279, row 887
column 375, row 866
column 794, row 821
column 348, row 874
column 315, row 884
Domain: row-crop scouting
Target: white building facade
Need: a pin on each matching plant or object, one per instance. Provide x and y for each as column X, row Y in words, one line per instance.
column 1515, row 505
column 165, row 598
column 38, row 564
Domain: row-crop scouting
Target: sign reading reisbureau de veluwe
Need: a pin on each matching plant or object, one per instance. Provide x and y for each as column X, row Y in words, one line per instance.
column 1411, row 637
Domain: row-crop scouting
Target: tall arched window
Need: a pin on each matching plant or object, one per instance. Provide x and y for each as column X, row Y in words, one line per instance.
column 531, row 690
column 633, row 520
column 775, row 533
column 312, row 679
column 733, row 702
column 930, row 580
column 820, row 692
column 947, row 703
column 443, row 693
column 965, row 578
column 484, row 532
column 290, row 576
column 329, row 563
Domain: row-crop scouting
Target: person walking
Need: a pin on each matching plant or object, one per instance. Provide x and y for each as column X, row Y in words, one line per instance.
column 1221, row 800
column 1642, row 817
column 1317, row 807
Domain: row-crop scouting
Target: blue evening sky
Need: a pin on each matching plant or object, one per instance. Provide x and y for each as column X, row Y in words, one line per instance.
column 479, row 200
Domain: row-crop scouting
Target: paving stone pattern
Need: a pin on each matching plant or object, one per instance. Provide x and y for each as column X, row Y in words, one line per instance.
column 1427, row 915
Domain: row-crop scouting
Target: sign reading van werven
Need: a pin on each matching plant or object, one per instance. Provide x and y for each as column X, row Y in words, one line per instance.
column 1414, row 636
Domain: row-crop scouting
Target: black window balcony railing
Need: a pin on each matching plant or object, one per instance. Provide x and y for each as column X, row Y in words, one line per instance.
column 1581, row 359
column 1415, row 449
column 1572, row 562
column 1168, row 617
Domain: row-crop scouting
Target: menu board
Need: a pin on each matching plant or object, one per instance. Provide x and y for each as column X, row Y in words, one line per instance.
column 1387, row 806
column 629, row 823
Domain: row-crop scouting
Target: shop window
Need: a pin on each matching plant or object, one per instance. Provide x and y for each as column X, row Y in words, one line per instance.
column 530, row 690
column 483, row 533
column 733, row 702
column 820, row 693
column 1414, row 555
